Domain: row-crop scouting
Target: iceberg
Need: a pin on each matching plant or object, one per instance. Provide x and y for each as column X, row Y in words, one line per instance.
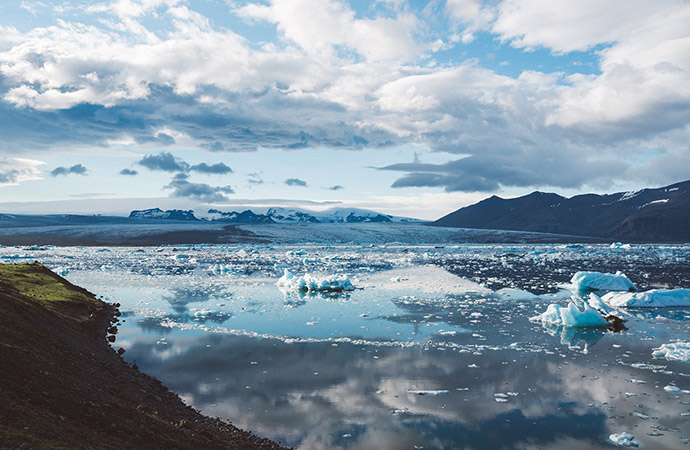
column 654, row 298
column 571, row 316
column 677, row 351
column 596, row 281
column 624, row 440
column 331, row 283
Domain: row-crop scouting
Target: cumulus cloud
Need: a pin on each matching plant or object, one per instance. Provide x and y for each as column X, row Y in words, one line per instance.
column 16, row 170
column 378, row 78
column 214, row 169
column 295, row 182
column 75, row 169
column 182, row 187
column 164, row 162
column 128, row 172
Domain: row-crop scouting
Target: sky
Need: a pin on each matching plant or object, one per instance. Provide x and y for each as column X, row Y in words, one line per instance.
column 411, row 108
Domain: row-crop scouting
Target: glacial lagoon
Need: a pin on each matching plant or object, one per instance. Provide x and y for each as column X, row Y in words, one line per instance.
column 434, row 348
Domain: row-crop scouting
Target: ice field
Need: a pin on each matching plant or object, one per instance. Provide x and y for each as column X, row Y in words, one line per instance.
column 400, row 346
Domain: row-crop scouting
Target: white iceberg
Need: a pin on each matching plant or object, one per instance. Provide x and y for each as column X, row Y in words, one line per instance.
column 624, row 440
column 677, row 351
column 654, row 298
column 595, row 302
column 307, row 282
column 573, row 315
column 596, row 281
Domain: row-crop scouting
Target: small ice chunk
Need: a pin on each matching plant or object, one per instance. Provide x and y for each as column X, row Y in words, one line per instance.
column 620, row 245
column 677, row 351
column 516, row 294
column 571, row 316
column 593, row 281
column 673, row 389
column 624, row 440
column 654, row 298
column 427, row 392
column 331, row 283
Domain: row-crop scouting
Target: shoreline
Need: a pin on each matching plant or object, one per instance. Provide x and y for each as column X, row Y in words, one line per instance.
column 65, row 386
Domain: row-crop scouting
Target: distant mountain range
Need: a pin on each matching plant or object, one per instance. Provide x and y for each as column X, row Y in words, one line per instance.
column 648, row 215
column 273, row 215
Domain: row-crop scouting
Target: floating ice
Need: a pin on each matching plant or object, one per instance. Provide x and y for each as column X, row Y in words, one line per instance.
column 624, row 440
column 649, row 299
column 426, row 279
column 678, row 351
column 620, row 245
column 571, row 316
column 593, row 281
column 595, row 302
column 62, row 271
column 331, row 283
column 516, row 294
column 675, row 390
column 423, row 392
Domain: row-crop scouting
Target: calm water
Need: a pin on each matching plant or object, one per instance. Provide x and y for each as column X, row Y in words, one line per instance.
column 432, row 352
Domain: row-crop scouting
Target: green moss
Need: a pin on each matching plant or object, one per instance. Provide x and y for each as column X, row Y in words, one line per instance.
column 37, row 282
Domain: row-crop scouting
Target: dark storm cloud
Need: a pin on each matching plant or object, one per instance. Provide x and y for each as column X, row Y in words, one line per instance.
column 128, row 172
column 75, row 169
column 295, row 182
column 215, row 169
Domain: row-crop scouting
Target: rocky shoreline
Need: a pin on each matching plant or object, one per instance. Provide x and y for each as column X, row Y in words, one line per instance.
column 62, row 385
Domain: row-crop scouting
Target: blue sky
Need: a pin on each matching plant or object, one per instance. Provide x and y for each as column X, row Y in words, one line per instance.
column 411, row 108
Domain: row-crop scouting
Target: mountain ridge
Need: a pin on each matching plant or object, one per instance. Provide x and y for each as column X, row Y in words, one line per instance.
column 648, row 215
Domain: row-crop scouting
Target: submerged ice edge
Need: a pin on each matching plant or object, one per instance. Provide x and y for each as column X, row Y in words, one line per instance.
column 517, row 346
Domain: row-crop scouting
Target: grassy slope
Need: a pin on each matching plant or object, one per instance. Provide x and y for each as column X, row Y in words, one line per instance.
column 63, row 386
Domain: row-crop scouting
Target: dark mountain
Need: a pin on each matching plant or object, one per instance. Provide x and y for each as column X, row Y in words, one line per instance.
column 648, row 215
column 157, row 213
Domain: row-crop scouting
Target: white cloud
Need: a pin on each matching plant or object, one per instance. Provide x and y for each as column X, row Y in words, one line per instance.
column 17, row 170
column 344, row 78
column 321, row 27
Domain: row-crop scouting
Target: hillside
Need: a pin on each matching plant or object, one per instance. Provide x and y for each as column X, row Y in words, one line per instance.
column 648, row 215
column 63, row 386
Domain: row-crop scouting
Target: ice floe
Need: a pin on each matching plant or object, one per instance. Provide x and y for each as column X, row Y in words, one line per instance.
column 654, row 298
column 676, row 351
column 427, row 392
column 307, row 282
column 624, row 440
column 572, row 315
column 425, row 279
column 596, row 281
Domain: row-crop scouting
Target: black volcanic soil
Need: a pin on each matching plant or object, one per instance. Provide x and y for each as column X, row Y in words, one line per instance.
column 62, row 386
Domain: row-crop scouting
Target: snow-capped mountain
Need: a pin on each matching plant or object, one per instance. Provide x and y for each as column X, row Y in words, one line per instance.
column 273, row 215
column 246, row 216
column 291, row 215
column 157, row 213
